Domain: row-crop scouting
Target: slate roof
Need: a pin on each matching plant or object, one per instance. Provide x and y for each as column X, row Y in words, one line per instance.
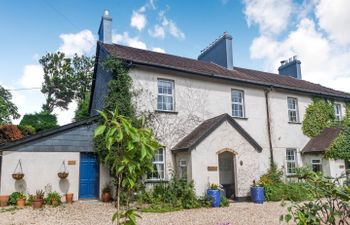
column 177, row 63
column 207, row 127
column 48, row 133
column 320, row 143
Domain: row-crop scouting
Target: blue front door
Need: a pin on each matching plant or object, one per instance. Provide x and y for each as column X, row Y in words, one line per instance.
column 89, row 176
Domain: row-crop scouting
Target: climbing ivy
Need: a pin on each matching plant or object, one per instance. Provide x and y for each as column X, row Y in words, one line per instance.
column 340, row 147
column 319, row 115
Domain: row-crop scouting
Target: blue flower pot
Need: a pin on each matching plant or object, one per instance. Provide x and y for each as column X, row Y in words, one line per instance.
column 257, row 194
column 215, row 195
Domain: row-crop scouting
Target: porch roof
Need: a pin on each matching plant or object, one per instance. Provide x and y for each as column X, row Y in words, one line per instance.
column 320, row 143
column 207, row 127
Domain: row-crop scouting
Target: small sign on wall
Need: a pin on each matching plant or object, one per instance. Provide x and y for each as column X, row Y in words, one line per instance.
column 71, row 162
column 212, row 168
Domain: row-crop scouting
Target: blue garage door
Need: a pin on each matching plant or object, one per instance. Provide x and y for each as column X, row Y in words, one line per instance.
column 89, row 176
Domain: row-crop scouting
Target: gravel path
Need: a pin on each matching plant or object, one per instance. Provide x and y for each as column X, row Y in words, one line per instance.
column 96, row 213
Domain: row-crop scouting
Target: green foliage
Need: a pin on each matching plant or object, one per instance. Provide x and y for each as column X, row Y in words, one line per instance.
column 82, row 111
column 303, row 172
column 340, row 147
column 214, row 186
column 293, row 191
column 65, row 79
column 16, row 196
column 27, row 130
column 224, row 201
column 331, row 204
column 39, row 121
column 272, row 177
column 119, row 95
column 319, row 115
column 8, row 110
column 160, row 208
column 128, row 153
column 53, row 196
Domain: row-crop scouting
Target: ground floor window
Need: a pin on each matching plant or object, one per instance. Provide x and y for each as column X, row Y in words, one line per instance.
column 291, row 160
column 158, row 166
column 316, row 165
column 183, row 169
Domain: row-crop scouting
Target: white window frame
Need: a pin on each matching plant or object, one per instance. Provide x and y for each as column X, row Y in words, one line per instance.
column 241, row 103
column 338, row 115
column 151, row 176
column 296, row 110
column 182, row 165
column 172, row 95
column 295, row 161
column 316, row 163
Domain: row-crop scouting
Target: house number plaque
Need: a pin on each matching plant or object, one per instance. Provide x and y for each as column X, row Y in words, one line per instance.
column 71, row 162
column 212, row 168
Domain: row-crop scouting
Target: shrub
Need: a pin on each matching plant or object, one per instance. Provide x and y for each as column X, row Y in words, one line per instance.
column 9, row 132
column 273, row 176
column 224, row 201
column 27, row 130
column 39, row 121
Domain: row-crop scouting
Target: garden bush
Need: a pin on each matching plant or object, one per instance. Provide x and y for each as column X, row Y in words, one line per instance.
column 9, row 132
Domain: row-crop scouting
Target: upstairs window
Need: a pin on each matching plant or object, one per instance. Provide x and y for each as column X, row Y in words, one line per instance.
column 165, row 98
column 337, row 110
column 237, row 97
column 158, row 172
column 293, row 114
column 291, row 160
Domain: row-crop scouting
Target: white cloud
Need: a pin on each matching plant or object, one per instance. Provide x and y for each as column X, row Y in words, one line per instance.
column 80, row 43
column 270, row 15
column 158, row 32
column 156, row 49
column 334, row 18
column 138, row 20
column 129, row 41
column 32, row 76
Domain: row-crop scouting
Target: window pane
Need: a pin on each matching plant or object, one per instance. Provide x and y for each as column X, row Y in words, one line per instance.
column 165, row 95
column 237, row 103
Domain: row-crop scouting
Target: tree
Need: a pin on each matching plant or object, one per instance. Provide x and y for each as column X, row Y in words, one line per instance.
column 39, row 121
column 8, row 110
column 9, row 132
column 82, row 111
column 319, row 115
column 65, row 79
column 128, row 153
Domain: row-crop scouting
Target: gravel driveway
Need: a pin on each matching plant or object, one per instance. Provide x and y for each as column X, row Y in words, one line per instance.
column 96, row 213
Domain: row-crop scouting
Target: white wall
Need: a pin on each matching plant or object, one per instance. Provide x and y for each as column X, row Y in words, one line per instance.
column 40, row 169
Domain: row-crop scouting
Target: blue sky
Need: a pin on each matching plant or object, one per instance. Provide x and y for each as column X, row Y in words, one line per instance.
column 264, row 33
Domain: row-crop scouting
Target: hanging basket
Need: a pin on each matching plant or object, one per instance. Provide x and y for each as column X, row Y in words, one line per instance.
column 18, row 173
column 18, row 176
column 63, row 174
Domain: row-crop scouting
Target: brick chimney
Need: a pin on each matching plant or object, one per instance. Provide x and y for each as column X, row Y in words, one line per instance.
column 290, row 67
column 219, row 52
column 105, row 30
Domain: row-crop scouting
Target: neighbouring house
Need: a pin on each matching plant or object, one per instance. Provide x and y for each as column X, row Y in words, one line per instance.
column 218, row 123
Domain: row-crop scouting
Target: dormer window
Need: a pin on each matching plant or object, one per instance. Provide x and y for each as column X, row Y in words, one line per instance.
column 165, row 98
column 337, row 111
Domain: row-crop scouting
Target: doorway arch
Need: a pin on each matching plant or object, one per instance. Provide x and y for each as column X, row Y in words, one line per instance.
column 227, row 171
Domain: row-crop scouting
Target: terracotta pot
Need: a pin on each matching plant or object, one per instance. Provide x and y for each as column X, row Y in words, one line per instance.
column 37, row 203
column 69, row 198
column 106, row 197
column 21, row 202
column 54, row 202
column 3, row 200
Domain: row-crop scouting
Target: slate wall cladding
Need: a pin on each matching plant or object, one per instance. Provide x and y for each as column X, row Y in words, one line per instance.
column 102, row 77
column 78, row 139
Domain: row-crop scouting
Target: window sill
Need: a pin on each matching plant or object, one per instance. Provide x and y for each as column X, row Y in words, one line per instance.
column 169, row 112
column 240, row 118
column 155, row 181
column 294, row 122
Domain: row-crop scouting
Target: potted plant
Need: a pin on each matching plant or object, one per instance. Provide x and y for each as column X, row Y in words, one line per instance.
column 3, row 200
column 69, row 198
column 54, row 198
column 106, row 193
column 20, row 199
column 257, row 193
column 214, row 193
column 38, row 199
